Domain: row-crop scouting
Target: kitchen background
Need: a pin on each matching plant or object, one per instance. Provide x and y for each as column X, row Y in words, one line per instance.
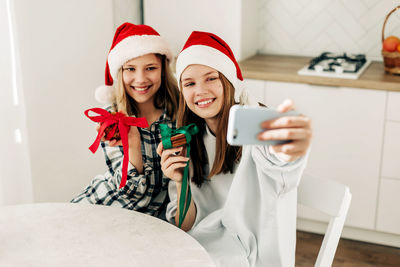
column 308, row 27
column 283, row 27
column 54, row 57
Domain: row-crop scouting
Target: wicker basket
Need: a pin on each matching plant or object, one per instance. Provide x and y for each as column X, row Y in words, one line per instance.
column 391, row 60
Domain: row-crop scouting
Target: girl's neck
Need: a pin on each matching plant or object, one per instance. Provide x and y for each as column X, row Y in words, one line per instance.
column 212, row 125
column 149, row 111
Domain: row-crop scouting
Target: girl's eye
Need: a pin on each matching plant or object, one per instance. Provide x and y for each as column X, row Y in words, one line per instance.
column 188, row 84
column 129, row 69
column 212, row 78
column 151, row 68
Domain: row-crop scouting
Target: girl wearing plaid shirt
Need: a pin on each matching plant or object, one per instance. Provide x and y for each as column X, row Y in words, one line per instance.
column 144, row 86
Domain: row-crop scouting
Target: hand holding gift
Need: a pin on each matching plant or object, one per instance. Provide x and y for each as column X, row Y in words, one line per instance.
column 113, row 126
column 172, row 139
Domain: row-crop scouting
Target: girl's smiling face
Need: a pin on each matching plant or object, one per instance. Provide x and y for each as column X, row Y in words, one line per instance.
column 142, row 77
column 203, row 91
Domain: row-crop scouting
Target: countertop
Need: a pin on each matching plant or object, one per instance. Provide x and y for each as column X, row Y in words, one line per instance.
column 284, row 69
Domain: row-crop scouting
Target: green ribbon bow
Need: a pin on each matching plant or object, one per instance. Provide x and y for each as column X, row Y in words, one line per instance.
column 166, row 134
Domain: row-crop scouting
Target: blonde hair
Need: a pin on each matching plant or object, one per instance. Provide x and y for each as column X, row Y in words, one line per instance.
column 165, row 98
column 225, row 155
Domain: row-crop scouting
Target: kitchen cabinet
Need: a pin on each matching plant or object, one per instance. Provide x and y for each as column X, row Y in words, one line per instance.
column 352, row 143
column 391, row 151
column 348, row 129
column 393, row 106
column 356, row 129
column 388, row 217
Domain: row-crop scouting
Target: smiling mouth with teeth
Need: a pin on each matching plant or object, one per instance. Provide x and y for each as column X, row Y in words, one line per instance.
column 141, row 89
column 205, row 102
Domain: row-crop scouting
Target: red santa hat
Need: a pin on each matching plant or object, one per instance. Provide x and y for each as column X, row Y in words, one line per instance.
column 129, row 41
column 208, row 49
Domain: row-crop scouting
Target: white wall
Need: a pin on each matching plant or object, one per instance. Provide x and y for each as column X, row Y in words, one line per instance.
column 176, row 19
column 309, row 27
column 63, row 47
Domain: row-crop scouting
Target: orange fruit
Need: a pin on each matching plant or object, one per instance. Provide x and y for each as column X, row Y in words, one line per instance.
column 391, row 43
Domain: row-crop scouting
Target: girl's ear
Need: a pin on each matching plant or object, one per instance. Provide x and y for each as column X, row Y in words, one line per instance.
column 105, row 94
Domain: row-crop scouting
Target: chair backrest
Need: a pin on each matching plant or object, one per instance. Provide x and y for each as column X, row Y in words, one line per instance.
column 333, row 199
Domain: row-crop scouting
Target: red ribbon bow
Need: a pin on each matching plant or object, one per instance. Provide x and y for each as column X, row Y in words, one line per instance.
column 123, row 123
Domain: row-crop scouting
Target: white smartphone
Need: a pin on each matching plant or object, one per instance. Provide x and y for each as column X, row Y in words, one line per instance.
column 244, row 124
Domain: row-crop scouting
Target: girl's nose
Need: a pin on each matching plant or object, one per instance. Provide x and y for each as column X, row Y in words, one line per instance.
column 140, row 76
column 201, row 89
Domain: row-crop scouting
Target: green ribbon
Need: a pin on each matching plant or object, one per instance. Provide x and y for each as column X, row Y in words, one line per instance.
column 166, row 134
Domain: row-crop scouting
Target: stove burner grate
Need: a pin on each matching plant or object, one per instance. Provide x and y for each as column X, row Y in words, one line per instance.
column 337, row 62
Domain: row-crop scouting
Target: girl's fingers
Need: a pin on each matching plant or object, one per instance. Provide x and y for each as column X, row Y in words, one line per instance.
column 175, row 167
column 174, row 160
column 286, row 105
column 285, row 134
column 160, row 149
column 287, row 122
column 289, row 156
column 292, row 148
column 115, row 143
column 118, row 143
column 166, row 153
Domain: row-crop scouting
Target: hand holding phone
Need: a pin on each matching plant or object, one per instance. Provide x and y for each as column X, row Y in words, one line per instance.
column 244, row 124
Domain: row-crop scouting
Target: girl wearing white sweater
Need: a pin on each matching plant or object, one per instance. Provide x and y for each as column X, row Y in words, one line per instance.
column 243, row 205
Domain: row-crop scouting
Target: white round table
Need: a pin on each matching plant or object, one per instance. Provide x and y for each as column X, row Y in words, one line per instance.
column 66, row 234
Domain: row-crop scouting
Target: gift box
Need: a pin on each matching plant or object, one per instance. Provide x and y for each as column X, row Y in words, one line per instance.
column 116, row 126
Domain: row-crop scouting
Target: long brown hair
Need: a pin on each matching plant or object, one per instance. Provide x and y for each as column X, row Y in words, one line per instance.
column 166, row 97
column 225, row 156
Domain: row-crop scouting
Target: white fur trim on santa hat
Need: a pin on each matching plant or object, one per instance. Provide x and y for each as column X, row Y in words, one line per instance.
column 105, row 94
column 206, row 55
column 136, row 46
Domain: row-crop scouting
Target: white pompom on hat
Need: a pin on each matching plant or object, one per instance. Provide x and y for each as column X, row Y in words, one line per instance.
column 130, row 41
column 208, row 49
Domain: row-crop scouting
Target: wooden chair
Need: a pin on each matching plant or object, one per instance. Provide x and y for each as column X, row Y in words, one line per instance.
column 333, row 199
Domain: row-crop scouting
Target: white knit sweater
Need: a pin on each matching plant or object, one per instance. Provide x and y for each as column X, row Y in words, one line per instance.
column 247, row 218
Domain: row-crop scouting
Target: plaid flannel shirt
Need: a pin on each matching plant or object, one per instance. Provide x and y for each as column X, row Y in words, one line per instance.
column 145, row 192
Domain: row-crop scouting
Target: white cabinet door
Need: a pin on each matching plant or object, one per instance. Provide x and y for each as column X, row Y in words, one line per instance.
column 393, row 106
column 388, row 219
column 391, row 151
column 391, row 144
column 347, row 141
column 388, row 207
